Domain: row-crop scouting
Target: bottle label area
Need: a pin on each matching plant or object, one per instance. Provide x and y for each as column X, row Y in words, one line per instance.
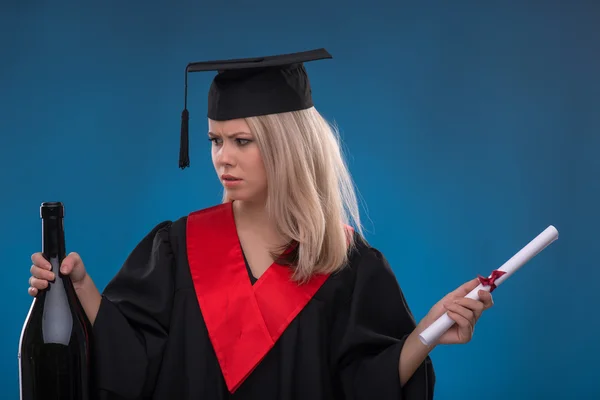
column 57, row 321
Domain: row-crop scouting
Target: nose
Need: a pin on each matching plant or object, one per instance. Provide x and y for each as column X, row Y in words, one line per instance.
column 226, row 154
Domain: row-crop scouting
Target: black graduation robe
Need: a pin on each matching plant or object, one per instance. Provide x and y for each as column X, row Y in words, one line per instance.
column 183, row 319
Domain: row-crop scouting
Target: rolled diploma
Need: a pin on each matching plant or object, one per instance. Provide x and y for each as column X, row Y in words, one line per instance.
column 432, row 333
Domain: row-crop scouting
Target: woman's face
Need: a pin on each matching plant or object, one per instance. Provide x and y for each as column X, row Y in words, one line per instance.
column 237, row 160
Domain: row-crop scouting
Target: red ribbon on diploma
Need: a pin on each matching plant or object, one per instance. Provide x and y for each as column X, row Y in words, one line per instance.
column 491, row 280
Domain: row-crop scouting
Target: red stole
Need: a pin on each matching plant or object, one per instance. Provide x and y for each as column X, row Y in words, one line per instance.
column 243, row 320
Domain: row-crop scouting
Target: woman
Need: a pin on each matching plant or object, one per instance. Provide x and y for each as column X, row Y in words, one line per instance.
column 270, row 294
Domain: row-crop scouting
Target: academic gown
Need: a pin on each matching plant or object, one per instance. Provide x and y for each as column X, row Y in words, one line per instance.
column 184, row 292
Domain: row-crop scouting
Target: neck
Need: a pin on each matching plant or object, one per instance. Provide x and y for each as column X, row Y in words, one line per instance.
column 253, row 217
column 250, row 212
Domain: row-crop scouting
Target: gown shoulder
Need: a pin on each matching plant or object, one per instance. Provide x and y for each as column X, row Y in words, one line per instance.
column 371, row 326
column 132, row 324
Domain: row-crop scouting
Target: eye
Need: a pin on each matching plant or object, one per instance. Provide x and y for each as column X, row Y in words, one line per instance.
column 243, row 142
column 215, row 140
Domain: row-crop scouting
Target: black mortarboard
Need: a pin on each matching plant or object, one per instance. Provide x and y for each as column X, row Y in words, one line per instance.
column 249, row 87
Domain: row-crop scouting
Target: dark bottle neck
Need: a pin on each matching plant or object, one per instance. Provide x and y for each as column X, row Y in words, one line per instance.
column 53, row 235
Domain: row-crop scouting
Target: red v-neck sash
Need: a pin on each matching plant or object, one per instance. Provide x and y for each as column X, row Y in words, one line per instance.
column 243, row 321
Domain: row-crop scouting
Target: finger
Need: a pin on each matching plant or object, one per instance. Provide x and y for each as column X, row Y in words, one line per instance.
column 42, row 273
column 466, row 287
column 69, row 263
column 39, row 260
column 465, row 327
column 462, row 311
column 32, row 291
column 475, row 306
column 460, row 292
column 39, row 284
column 486, row 298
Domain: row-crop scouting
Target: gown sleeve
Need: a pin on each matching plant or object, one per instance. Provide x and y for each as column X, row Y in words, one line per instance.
column 373, row 327
column 132, row 324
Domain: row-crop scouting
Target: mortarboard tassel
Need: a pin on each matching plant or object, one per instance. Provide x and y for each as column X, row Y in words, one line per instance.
column 184, row 157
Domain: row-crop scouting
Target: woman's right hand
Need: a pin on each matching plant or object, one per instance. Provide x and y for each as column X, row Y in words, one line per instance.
column 41, row 272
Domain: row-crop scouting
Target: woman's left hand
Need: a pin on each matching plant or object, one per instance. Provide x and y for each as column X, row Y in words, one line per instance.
column 465, row 312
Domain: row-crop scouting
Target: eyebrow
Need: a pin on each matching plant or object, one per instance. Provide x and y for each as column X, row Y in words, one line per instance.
column 231, row 135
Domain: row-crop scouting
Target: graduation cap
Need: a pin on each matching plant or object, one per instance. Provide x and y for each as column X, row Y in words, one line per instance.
column 249, row 87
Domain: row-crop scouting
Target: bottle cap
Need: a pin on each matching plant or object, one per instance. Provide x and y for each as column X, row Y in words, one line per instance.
column 52, row 209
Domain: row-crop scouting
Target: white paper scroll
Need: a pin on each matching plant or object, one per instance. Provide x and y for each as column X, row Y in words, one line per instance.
column 432, row 333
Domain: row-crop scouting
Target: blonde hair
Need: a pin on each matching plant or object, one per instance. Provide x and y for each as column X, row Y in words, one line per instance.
column 311, row 194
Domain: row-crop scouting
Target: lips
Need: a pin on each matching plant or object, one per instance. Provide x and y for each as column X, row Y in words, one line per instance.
column 230, row 178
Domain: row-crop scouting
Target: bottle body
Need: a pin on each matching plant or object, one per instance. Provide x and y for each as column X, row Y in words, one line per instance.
column 55, row 343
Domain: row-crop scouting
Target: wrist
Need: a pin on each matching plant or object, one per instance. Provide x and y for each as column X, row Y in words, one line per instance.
column 89, row 297
column 417, row 351
column 83, row 284
column 412, row 355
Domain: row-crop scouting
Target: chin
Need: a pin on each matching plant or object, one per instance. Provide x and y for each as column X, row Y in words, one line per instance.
column 235, row 195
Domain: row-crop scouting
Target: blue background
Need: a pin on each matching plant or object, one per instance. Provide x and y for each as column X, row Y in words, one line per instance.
column 470, row 127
